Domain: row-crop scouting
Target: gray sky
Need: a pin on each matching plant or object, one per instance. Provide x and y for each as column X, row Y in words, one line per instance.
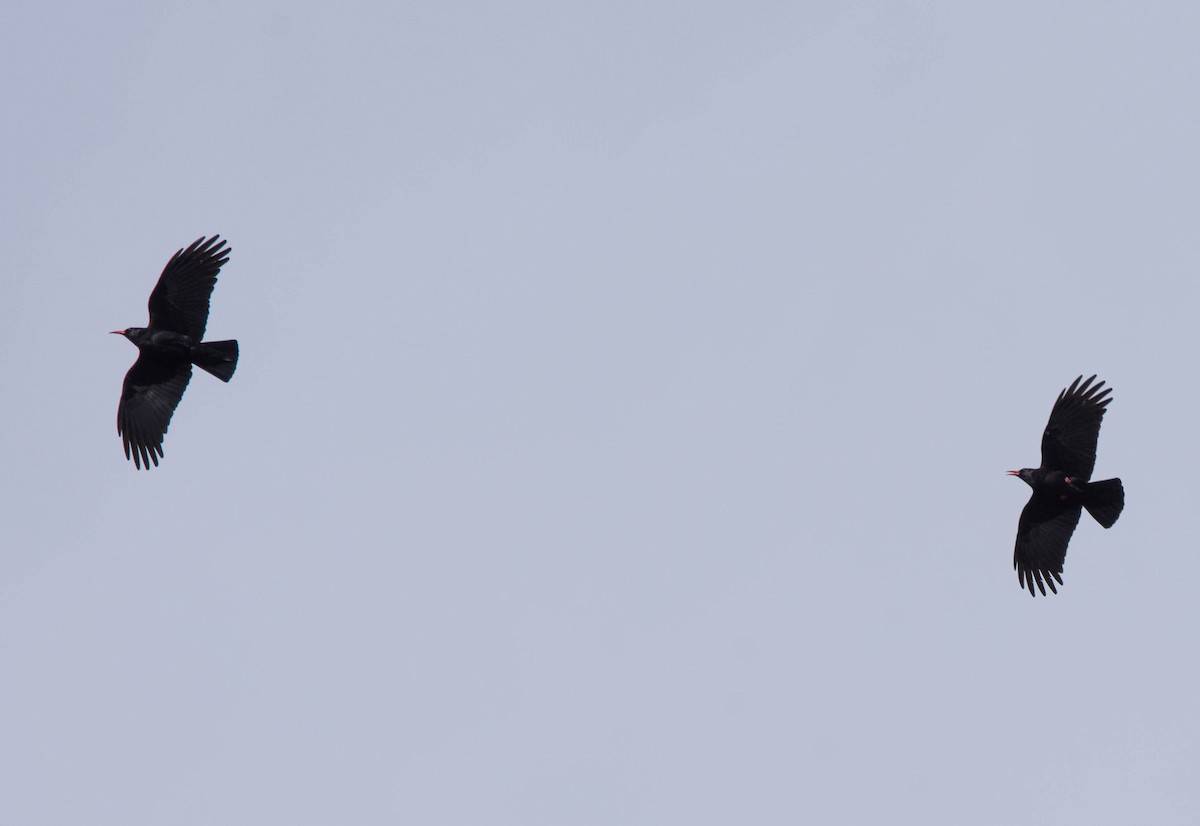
column 619, row 434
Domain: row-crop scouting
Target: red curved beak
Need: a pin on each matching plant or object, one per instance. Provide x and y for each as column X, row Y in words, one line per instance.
column 116, row 332
column 1013, row 472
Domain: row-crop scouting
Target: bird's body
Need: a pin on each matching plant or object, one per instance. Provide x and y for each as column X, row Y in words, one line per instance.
column 169, row 346
column 1062, row 488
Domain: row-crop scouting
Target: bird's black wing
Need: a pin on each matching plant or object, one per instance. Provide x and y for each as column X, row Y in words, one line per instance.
column 1069, row 441
column 1042, row 536
column 151, row 393
column 180, row 299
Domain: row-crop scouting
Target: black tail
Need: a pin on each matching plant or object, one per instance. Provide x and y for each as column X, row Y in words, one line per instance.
column 1104, row 500
column 216, row 357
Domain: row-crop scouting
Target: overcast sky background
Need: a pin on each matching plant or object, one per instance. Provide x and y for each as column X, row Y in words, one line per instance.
column 620, row 426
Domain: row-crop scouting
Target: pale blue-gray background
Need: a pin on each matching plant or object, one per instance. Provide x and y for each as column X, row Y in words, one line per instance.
column 619, row 437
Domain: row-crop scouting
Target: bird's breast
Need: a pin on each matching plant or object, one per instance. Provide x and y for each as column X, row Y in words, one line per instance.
column 166, row 343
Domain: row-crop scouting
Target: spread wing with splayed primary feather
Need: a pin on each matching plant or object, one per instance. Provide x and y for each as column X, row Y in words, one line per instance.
column 1042, row 536
column 1069, row 441
column 151, row 393
column 180, row 299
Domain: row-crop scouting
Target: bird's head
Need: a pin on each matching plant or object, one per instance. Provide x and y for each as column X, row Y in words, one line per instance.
column 1024, row 474
column 131, row 333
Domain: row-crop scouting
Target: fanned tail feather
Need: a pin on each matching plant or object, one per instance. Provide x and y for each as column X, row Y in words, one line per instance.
column 217, row 357
column 1104, row 500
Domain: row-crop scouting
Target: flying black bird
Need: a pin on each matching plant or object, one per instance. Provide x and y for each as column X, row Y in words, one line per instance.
column 168, row 348
column 1061, row 488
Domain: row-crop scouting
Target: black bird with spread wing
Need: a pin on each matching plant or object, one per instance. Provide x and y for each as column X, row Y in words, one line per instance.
column 168, row 348
column 1061, row 486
